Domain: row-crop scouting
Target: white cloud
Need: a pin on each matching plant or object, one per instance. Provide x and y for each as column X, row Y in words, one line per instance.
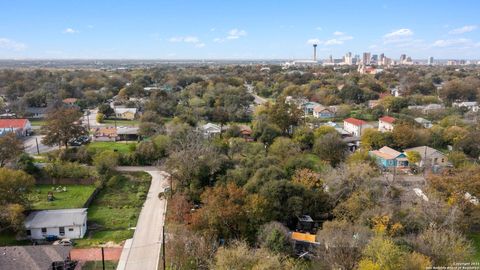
column 313, row 41
column 462, row 30
column 400, row 35
column 442, row 43
column 70, row 31
column 333, row 41
column 231, row 35
column 212, row 29
column 188, row 39
column 404, row 32
column 13, row 45
column 319, row 28
column 338, row 38
column 90, row 26
column 236, row 33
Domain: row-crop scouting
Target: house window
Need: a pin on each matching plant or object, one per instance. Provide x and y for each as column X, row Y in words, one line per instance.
column 70, row 229
column 29, row 233
column 44, row 230
column 61, row 230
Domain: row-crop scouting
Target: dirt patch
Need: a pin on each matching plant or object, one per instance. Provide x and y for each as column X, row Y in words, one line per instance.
column 95, row 254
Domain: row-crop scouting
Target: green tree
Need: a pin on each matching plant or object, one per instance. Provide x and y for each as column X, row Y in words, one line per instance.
column 10, row 148
column 404, row 136
column 14, row 188
column 413, row 157
column 275, row 237
column 100, row 118
column 106, row 161
column 62, row 125
column 331, row 148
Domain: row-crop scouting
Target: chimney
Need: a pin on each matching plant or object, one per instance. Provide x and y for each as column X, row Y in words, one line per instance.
column 314, row 52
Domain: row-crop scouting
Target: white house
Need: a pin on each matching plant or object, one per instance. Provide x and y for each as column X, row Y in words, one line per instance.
column 21, row 127
column 323, row 112
column 211, row 129
column 470, row 105
column 355, row 126
column 125, row 113
column 63, row 223
column 385, row 123
column 424, row 122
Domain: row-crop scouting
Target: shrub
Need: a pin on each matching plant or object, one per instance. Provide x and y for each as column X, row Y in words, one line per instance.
column 63, row 169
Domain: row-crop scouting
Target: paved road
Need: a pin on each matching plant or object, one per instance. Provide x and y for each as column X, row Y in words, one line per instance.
column 258, row 99
column 30, row 145
column 91, row 119
column 143, row 250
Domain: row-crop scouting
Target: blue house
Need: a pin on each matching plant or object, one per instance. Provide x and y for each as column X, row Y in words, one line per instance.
column 389, row 158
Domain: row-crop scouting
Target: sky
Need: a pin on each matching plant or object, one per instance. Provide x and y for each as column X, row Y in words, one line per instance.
column 237, row 29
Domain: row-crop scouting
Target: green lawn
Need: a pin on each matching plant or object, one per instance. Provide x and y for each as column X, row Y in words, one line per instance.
column 37, row 122
column 124, row 123
column 7, row 238
column 115, row 210
column 475, row 237
column 74, row 197
column 97, row 265
column 121, row 147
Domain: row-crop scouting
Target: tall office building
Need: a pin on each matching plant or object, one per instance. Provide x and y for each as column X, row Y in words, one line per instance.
column 374, row 58
column 403, row 58
column 366, row 58
column 348, row 58
column 382, row 59
column 430, row 61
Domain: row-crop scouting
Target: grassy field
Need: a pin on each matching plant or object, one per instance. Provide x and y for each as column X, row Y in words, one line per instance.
column 7, row 238
column 476, row 243
column 121, row 147
column 74, row 197
column 121, row 123
column 37, row 122
column 115, row 210
column 97, row 265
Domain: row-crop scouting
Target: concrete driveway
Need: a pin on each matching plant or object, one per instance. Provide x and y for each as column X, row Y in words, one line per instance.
column 143, row 250
column 30, row 145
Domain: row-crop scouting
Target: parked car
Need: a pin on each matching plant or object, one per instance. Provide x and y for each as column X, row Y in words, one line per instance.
column 79, row 141
column 63, row 242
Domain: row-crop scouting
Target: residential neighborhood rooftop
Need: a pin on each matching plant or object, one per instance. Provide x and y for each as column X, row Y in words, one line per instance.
column 55, row 218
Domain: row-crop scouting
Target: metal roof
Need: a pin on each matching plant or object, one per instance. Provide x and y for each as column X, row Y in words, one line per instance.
column 56, row 218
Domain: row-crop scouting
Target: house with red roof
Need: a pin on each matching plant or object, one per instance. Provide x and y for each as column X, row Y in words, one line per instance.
column 385, row 123
column 355, row 127
column 21, row 127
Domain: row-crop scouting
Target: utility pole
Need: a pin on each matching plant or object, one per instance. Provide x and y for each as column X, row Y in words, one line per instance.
column 103, row 259
column 163, row 247
column 38, row 149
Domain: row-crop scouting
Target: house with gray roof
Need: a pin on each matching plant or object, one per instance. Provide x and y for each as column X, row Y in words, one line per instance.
column 63, row 223
column 35, row 257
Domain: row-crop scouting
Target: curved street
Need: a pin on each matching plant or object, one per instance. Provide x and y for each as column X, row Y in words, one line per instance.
column 143, row 250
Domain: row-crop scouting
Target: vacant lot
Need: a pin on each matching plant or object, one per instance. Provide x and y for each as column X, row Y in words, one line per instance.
column 120, row 147
column 74, row 196
column 116, row 208
column 121, row 123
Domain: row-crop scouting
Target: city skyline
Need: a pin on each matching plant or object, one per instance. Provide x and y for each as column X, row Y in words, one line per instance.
column 246, row 30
